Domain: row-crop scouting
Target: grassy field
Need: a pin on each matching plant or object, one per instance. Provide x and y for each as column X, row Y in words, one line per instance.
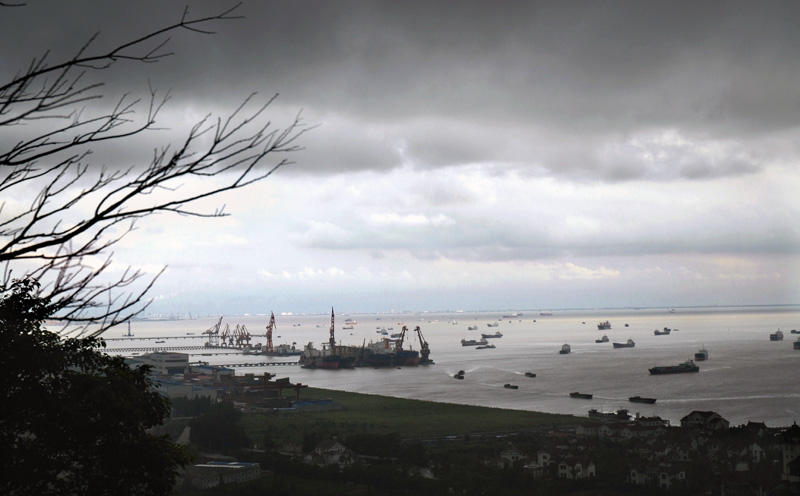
column 366, row 413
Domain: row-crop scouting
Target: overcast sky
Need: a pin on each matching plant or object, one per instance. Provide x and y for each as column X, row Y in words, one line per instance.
column 473, row 155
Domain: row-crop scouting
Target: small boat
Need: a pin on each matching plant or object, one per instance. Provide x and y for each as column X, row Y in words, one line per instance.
column 776, row 336
column 604, row 325
column 627, row 344
column 497, row 334
column 794, row 331
column 701, row 355
column 473, row 342
column 459, row 374
column 510, row 386
column 190, row 334
column 530, row 374
column 626, row 325
column 565, row 349
column 485, row 347
column 472, row 328
column 796, row 344
column 493, row 324
column 665, row 332
column 604, row 339
column 641, row 399
column 583, row 396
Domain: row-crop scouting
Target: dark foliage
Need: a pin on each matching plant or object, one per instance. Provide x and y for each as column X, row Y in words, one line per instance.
column 219, row 429
column 185, row 407
column 74, row 420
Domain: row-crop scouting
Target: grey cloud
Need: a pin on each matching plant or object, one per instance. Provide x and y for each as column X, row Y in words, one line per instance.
column 588, row 73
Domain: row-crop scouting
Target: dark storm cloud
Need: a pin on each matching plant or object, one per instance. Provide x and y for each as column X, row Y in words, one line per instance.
column 561, row 88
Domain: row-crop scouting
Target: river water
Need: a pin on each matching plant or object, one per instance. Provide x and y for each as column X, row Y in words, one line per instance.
column 747, row 376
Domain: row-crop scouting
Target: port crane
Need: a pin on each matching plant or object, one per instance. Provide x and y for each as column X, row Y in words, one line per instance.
column 425, row 350
column 213, row 333
column 332, row 340
column 399, row 344
column 270, row 327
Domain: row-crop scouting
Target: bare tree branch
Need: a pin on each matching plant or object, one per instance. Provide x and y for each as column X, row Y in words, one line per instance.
column 81, row 210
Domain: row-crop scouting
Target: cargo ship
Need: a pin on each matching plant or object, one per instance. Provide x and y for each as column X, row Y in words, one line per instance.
column 582, row 396
column 628, row 344
column 565, row 349
column 701, row 355
column 665, row 332
column 604, row 339
column 776, row 336
column 687, row 366
column 604, row 325
column 473, row 342
column 497, row 334
column 640, row 399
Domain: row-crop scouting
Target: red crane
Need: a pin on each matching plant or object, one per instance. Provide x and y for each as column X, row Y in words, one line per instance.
column 270, row 327
column 332, row 340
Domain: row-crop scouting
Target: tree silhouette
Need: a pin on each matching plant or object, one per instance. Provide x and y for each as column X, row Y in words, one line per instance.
column 79, row 209
column 75, row 420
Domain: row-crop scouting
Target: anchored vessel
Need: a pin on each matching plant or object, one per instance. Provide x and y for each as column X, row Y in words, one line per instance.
column 665, row 332
column 473, row 342
column 604, row 325
column 604, row 339
column 627, row 344
column 640, row 399
column 701, row 355
column 497, row 334
column 687, row 366
column 776, row 336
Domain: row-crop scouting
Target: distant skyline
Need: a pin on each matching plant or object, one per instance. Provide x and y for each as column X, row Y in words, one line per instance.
column 471, row 155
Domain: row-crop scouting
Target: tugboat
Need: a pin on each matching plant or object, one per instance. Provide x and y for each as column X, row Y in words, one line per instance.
column 604, row 325
column 583, row 396
column 687, row 366
column 604, row 339
column 565, row 349
column 776, row 336
column 628, row 344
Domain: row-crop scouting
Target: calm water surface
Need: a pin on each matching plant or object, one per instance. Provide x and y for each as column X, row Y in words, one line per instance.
column 747, row 376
